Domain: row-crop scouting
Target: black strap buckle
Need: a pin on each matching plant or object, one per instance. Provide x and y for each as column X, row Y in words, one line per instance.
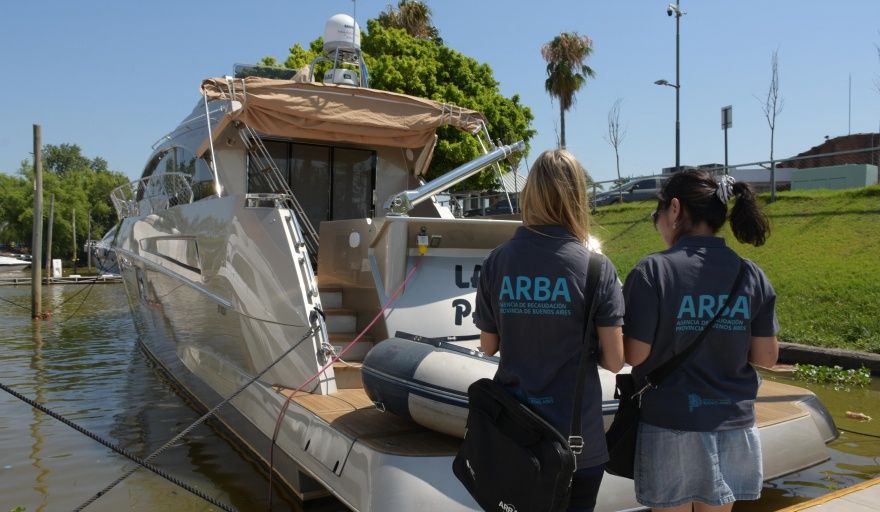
column 576, row 443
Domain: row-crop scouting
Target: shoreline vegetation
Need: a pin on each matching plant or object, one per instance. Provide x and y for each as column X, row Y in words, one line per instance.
column 822, row 256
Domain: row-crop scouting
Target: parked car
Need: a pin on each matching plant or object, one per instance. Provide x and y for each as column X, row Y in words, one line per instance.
column 499, row 207
column 640, row 189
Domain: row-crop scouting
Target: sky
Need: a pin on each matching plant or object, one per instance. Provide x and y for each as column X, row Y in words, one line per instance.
column 115, row 76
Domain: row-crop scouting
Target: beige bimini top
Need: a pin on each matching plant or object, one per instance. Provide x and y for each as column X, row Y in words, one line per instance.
column 337, row 113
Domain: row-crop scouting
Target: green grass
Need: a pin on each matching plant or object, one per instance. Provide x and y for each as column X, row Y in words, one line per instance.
column 823, row 258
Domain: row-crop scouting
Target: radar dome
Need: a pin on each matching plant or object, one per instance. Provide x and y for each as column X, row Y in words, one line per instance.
column 341, row 32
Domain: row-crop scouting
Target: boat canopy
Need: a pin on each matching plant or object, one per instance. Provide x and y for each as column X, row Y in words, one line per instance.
column 337, row 113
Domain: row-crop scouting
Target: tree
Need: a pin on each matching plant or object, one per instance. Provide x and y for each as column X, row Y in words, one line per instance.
column 772, row 107
column 79, row 183
column 615, row 137
column 400, row 62
column 64, row 158
column 412, row 16
column 567, row 71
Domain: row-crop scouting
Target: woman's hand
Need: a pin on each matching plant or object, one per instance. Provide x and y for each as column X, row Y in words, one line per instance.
column 488, row 343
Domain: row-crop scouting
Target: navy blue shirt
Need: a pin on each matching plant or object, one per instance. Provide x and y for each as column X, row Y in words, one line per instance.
column 532, row 294
column 670, row 296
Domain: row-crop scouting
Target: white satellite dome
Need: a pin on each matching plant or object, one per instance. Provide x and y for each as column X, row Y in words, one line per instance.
column 341, row 32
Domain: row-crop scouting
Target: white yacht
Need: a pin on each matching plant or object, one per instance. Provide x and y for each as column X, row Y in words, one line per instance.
column 10, row 264
column 289, row 214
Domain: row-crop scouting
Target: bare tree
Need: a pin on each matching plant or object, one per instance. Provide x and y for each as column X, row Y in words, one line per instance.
column 772, row 107
column 615, row 137
column 877, row 80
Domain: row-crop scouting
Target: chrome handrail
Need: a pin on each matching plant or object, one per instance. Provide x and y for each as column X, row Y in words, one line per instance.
column 154, row 193
column 402, row 202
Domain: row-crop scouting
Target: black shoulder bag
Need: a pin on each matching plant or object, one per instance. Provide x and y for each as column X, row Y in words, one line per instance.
column 513, row 459
column 622, row 434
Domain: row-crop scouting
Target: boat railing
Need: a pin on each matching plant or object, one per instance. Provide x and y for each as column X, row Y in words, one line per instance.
column 152, row 194
column 402, row 202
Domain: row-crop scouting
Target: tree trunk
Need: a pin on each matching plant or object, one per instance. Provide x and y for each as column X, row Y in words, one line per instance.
column 619, row 190
column 772, row 169
column 561, row 126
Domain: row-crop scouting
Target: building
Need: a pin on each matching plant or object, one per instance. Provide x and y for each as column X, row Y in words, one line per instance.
column 852, row 169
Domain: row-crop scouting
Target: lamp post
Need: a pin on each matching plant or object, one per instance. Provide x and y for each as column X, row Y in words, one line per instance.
column 674, row 9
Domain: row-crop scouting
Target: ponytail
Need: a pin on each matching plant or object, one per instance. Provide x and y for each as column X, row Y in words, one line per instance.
column 747, row 220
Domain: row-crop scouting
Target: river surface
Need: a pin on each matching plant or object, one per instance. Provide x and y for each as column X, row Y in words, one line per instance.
column 85, row 364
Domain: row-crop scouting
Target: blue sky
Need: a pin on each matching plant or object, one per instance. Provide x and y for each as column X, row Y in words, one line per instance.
column 114, row 76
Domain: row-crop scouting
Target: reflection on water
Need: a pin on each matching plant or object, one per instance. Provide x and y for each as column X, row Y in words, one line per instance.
column 90, row 370
column 855, row 455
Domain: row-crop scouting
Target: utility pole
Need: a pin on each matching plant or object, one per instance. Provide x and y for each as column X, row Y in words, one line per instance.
column 37, row 236
column 51, row 221
column 677, row 90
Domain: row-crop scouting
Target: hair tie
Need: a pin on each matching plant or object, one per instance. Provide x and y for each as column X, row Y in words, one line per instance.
column 724, row 190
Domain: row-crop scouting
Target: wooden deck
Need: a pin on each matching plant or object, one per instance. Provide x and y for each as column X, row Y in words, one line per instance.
column 352, row 412
column 777, row 403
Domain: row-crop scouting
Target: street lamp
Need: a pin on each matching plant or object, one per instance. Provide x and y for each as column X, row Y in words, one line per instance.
column 674, row 9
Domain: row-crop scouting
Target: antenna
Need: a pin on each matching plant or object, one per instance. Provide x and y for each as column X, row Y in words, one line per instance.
column 354, row 17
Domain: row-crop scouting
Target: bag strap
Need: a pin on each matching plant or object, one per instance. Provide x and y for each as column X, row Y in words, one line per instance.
column 594, row 268
column 657, row 375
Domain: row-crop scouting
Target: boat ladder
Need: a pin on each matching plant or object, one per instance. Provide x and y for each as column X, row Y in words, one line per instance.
column 273, row 178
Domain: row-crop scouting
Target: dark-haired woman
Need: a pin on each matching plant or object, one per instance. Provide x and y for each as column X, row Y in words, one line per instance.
column 698, row 446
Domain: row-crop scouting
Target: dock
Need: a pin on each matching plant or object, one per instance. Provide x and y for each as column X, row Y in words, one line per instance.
column 72, row 279
column 863, row 497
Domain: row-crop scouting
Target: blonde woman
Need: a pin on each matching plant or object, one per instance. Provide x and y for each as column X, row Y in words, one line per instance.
column 531, row 305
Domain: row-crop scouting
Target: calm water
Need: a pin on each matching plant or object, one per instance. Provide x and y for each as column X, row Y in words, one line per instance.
column 89, row 369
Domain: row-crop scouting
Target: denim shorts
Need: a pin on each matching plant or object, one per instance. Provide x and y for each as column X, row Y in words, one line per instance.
column 674, row 467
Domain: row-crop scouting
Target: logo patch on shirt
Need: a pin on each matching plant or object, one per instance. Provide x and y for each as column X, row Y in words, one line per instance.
column 695, row 312
column 539, row 295
column 695, row 401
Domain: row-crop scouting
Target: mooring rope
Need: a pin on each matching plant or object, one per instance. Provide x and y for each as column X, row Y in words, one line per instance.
column 121, row 451
column 198, row 422
column 75, row 311
column 26, row 308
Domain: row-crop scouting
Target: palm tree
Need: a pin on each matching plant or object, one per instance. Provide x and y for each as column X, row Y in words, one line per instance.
column 566, row 70
column 413, row 16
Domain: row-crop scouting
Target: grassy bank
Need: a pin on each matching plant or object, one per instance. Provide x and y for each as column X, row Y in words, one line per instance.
column 823, row 257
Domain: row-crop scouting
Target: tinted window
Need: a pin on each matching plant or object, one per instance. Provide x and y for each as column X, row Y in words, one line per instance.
column 646, row 184
column 352, row 183
column 330, row 183
column 259, row 181
column 199, row 171
column 310, row 180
